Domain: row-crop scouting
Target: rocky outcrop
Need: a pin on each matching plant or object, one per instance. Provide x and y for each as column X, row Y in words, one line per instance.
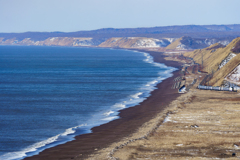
column 134, row 42
column 234, row 76
column 226, row 60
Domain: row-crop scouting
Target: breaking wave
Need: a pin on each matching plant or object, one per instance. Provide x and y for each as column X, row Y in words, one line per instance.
column 40, row 146
column 104, row 116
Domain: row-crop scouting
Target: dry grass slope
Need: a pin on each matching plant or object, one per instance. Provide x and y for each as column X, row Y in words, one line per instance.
column 224, row 71
column 201, row 125
column 212, row 57
column 174, row 45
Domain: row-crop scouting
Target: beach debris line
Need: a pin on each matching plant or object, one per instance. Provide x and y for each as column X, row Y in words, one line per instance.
column 176, row 85
column 180, row 84
column 178, row 78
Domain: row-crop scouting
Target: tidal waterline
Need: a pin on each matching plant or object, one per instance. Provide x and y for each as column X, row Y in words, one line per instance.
column 51, row 94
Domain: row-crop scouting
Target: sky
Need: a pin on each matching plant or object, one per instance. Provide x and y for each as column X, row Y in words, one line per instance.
column 77, row 15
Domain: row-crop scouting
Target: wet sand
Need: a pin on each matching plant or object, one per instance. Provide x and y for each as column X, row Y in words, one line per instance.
column 128, row 123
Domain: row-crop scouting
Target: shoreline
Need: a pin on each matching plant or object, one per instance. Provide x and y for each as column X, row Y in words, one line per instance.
column 130, row 120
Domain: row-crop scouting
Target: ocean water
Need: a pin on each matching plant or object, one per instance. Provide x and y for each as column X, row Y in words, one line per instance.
column 48, row 95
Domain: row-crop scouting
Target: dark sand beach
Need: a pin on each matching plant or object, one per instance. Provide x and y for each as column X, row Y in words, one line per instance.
column 130, row 120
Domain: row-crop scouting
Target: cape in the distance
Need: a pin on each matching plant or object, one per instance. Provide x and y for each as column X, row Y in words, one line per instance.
column 186, row 37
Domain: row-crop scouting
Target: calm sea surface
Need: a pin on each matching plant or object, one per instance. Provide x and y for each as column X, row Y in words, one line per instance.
column 50, row 94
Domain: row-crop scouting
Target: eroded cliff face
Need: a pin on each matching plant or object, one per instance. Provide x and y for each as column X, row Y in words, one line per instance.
column 135, row 42
column 183, row 43
column 54, row 41
column 118, row 42
column 67, row 41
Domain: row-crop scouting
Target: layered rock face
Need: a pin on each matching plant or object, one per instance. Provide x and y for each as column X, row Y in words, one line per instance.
column 135, row 42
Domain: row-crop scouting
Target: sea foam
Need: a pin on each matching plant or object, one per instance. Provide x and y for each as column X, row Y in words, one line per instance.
column 40, row 146
column 110, row 115
column 137, row 95
column 110, row 118
column 119, row 105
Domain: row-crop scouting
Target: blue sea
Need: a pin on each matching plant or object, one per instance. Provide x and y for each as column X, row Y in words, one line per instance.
column 48, row 95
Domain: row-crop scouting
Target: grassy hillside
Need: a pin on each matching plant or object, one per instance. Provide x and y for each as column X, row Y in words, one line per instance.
column 186, row 43
column 214, row 60
column 175, row 44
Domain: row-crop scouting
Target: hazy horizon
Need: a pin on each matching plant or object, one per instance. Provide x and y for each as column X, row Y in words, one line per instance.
column 70, row 16
column 122, row 28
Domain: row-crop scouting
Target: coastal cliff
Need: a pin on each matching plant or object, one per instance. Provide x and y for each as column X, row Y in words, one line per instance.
column 135, row 42
column 172, row 37
column 53, row 41
column 118, row 42
column 183, row 43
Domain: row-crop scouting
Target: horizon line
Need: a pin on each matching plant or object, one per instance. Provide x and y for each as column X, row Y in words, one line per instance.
column 113, row 28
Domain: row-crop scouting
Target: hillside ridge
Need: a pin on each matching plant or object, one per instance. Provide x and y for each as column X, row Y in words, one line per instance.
column 222, row 62
column 183, row 43
column 194, row 31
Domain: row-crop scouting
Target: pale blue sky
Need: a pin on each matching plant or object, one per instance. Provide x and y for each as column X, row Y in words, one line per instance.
column 75, row 15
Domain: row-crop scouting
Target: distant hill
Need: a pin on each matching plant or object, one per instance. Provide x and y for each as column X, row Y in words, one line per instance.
column 214, row 51
column 183, row 43
column 188, row 43
column 135, row 42
column 194, row 31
